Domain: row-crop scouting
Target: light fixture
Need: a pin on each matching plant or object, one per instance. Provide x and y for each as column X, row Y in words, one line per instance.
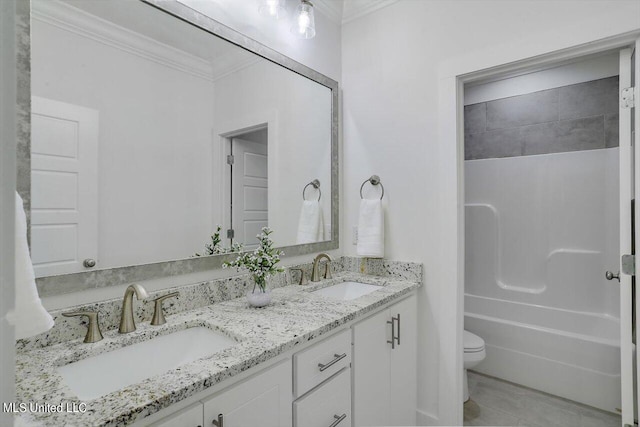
column 304, row 26
column 272, row 8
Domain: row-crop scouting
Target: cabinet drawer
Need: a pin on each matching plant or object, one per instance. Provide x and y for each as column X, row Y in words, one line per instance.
column 328, row 405
column 189, row 417
column 321, row 361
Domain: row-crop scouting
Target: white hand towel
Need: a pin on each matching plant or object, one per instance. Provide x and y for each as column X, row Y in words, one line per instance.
column 371, row 229
column 311, row 223
column 29, row 316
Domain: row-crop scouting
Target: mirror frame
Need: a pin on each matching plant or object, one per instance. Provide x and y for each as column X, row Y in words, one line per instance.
column 74, row 282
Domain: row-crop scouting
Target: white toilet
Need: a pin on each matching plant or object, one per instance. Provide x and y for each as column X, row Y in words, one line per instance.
column 474, row 353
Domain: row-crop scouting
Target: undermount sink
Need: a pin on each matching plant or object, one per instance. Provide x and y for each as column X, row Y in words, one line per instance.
column 108, row 372
column 346, row 291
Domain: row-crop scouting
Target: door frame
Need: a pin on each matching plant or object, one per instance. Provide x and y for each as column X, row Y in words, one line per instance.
column 453, row 76
column 229, row 186
column 222, row 136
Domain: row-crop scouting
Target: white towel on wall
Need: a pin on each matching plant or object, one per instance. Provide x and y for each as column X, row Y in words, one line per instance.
column 311, row 223
column 29, row 316
column 371, row 229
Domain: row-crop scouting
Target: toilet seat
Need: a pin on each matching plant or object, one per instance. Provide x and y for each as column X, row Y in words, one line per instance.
column 472, row 343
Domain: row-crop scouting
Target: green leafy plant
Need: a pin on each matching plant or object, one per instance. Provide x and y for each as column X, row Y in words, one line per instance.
column 261, row 263
column 214, row 248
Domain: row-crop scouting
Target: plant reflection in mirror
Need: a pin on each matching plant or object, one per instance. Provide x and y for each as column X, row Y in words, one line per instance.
column 215, row 247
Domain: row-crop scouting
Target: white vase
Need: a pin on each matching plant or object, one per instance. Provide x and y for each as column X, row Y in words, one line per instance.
column 259, row 298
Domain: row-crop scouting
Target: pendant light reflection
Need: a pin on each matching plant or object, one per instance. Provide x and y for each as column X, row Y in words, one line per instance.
column 272, row 8
column 304, row 26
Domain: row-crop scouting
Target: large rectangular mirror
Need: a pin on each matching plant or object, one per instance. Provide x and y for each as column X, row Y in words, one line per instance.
column 150, row 130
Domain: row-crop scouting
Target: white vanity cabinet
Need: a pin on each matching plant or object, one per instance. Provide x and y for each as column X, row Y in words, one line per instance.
column 384, row 367
column 321, row 361
column 363, row 374
column 327, row 405
column 189, row 417
column 263, row 400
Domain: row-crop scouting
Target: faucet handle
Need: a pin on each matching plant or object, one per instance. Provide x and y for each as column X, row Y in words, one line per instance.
column 303, row 278
column 158, row 314
column 93, row 330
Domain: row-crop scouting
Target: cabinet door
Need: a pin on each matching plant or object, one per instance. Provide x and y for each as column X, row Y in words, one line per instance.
column 327, row 405
column 189, row 417
column 404, row 358
column 263, row 400
column 371, row 373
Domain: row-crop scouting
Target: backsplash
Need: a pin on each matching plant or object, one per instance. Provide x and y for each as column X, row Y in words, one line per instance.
column 381, row 267
column 206, row 293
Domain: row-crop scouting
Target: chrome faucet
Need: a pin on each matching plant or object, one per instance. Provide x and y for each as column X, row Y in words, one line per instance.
column 315, row 273
column 127, row 323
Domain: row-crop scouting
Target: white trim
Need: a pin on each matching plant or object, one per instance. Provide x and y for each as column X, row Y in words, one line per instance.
column 84, row 24
column 424, row 418
column 362, row 8
column 222, row 144
column 228, row 70
column 453, row 75
column 332, row 9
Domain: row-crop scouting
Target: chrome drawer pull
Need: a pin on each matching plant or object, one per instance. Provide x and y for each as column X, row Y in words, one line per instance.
column 219, row 422
column 394, row 338
column 339, row 419
column 338, row 357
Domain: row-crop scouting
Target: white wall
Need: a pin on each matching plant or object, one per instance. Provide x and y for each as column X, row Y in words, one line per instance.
column 299, row 143
column 399, row 67
column 543, row 229
column 599, row 67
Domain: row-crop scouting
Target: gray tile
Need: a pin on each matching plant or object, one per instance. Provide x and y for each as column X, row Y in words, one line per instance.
column 591, row 417
column 588, row 99
column 611, row 95
column 611, row 130
column 563, row 136
column 494, row 399
column 499, row 395
column 522, row 110
column 472, row 381
column 537, row 411
column 479, row 415
column 475, row 118
column 494, row 144
column 527, row 423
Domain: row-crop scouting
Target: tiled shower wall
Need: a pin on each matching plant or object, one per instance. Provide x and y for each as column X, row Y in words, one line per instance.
column 577, row 117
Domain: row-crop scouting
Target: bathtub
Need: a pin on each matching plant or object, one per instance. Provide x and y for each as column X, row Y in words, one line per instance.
column 571, row 354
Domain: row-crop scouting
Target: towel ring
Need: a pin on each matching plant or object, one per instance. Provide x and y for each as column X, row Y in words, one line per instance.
column 374, row 180
column 315, row 184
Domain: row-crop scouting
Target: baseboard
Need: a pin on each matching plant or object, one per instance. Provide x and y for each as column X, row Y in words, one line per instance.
column 426, row 419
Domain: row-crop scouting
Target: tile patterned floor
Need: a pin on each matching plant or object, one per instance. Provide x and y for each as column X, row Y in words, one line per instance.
column 498, row 403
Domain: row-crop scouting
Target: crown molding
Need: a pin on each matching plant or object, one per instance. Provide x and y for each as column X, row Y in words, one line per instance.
column 354, row 9
column 234, row 66
column 84, row 24
column 332, row 9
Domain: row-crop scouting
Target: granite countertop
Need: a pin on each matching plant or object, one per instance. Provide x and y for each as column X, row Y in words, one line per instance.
column 295, row 316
